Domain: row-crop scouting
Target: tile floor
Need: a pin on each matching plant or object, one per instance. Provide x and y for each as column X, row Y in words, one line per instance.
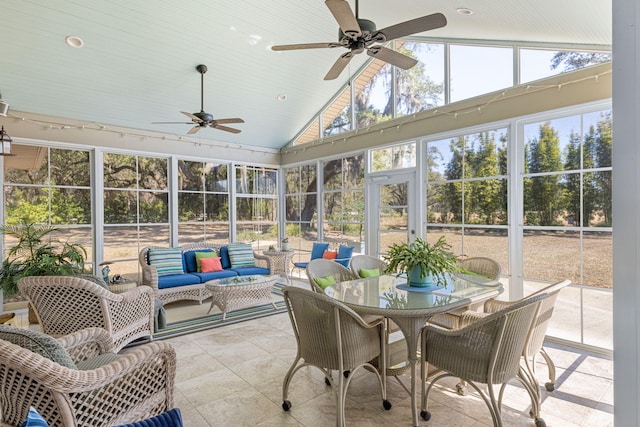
column 232, row 376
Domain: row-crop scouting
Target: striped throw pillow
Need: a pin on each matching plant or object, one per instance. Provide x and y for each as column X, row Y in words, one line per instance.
column 166, row 260
column 241, row 255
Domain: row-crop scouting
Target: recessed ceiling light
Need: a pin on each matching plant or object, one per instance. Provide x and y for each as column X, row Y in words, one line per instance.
column 74, row 41
column 464, row 11
column 281, row 97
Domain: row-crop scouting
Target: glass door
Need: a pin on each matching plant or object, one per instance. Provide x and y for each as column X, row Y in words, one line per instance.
column 392, row 211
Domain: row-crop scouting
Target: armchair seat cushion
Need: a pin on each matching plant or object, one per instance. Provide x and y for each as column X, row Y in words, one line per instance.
column 302, row 265
column 173, row 280
column 248, row 271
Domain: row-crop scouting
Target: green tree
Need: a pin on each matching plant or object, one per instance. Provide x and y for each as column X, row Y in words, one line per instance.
column 576, row 60
column 545, row 197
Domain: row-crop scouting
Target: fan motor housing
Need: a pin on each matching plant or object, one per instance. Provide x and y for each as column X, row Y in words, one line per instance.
column 205, row 117
column 366, row 26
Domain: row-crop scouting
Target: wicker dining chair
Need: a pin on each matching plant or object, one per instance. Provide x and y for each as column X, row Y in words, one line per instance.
column 486, row 351
column 533, row 347
column 366, row 262
column 331, row 336
column 319, row 269
column 65, row 304
column 76, row 380
column 482, row 266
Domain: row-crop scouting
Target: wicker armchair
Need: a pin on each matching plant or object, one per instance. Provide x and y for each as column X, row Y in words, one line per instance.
column 368, row 262
column 331, row 336
column 66, row 304
column 486, row 351
column 91, row 387
column 534, row 343
column 319, row 268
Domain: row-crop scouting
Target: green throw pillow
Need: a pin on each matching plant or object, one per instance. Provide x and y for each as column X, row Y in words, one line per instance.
column 324, row 282
column 369, row 272
column 200, row 255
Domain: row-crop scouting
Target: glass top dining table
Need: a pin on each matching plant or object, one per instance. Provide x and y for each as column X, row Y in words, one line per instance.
column 410, row 308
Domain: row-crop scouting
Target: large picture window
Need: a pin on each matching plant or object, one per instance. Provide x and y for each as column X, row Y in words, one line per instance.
column 467, row 194
column 203, row 202
column 256, row 206
column 136, row 208
column 46, row 185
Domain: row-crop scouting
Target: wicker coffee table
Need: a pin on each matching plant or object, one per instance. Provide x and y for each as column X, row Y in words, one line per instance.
column 233, row 293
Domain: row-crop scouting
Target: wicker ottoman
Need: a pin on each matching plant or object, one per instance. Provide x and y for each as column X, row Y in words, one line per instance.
column 233, row 293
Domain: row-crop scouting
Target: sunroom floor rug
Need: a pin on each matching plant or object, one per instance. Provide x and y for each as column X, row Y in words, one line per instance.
column 179, row 325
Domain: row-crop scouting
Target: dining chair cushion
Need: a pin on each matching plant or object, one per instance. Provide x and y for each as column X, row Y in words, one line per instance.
column 210, row 264
column 330, row 255
column 166, row 260
column 37, row 342
column 318, row 250
column 241, row 255
column 324, row 282
column 344, row 255
column 369, row 272
column 170, row 418
column 202, row 255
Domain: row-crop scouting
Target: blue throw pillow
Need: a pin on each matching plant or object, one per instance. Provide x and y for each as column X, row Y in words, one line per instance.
column 318, row 250
column 190, row 263
column 344, row 255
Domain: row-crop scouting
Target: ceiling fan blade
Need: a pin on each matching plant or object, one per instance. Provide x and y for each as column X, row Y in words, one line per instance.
column 414, row 26
column 233, row 120
column 194, row 129
column 171, row 123
column 192, row 117
column 338, row 66
column 342, row 12
column 392, row 57
column 226, row 129
column 305, row 46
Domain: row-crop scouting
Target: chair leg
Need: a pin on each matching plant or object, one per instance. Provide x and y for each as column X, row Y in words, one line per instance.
column 551, row 385
column 286, row 404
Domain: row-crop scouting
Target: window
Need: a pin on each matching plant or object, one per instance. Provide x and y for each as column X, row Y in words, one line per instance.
column 540, row 63
column 343, row 201
column 301, row 208
column 372, row 95
column 467, row 194
column 50, row 186
column 136, row 208
column 479, row 69
column 203, row 202
column 422, row 86
column 397, row 157
column 567, row 215
column 256, row 206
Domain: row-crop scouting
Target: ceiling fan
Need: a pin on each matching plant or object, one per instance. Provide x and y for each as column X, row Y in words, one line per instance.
column 203, row 119
column 358, row 34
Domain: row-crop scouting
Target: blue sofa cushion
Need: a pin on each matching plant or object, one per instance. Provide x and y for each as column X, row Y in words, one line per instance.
column 173, row 280
column 205, row 277
column 248, row 271
column 344, row 255
column 190, row 264
column 224, row 257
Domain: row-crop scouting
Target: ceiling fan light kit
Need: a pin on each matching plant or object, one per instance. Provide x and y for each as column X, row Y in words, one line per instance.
column 203, row 119
column 358, row 35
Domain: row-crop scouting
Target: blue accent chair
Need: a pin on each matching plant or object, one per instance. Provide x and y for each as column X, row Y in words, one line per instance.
column 316, row 253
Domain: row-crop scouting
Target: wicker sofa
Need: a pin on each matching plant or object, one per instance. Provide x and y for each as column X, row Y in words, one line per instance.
column 189, row 285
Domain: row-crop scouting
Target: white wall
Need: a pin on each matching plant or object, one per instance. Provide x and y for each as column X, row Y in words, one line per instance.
column 626, row 206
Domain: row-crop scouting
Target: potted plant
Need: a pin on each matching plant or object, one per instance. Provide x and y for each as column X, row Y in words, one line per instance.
column 423, row 263
column 285, row 244
column 37, row 254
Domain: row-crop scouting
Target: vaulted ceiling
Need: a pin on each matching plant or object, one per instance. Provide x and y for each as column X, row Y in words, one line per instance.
column 138, row 62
